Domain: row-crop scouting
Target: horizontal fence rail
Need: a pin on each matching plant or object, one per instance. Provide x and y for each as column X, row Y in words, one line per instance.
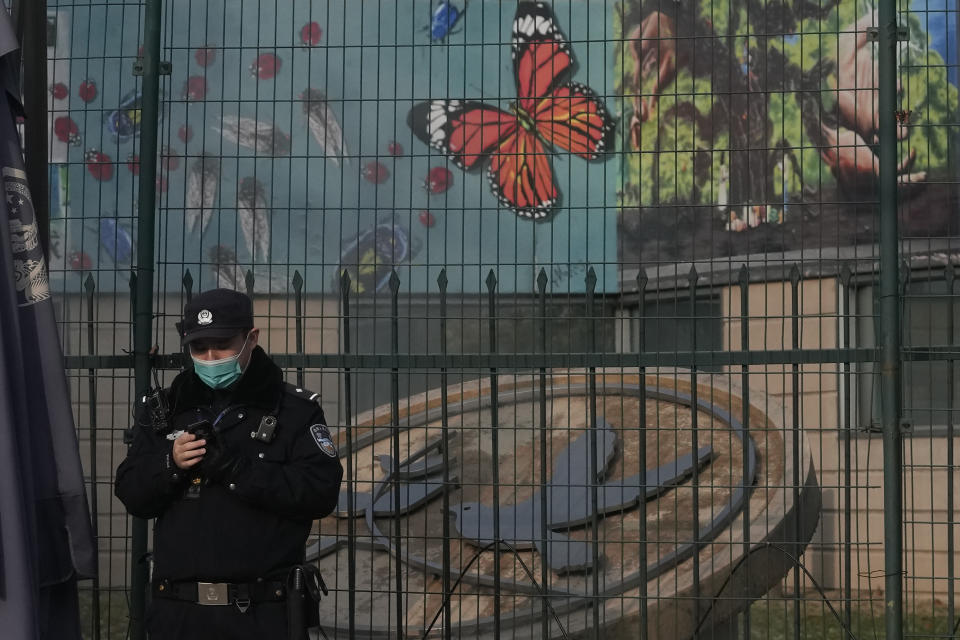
column 536, row 360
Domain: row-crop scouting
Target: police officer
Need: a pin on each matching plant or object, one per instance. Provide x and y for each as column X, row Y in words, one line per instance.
column 234, row 464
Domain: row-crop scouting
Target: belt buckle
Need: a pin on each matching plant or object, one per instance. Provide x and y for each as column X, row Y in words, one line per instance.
column 212, row 593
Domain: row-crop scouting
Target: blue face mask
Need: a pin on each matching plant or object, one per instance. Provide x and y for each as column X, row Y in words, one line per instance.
column 219, row 374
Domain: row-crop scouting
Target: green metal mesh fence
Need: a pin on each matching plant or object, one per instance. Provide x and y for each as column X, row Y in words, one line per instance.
column 601, row 280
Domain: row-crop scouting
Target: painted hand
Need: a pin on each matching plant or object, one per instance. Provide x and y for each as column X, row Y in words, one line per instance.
column 851, row 158
column 858, row 97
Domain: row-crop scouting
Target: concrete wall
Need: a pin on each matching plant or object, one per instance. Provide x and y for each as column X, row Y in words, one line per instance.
column 820, row 404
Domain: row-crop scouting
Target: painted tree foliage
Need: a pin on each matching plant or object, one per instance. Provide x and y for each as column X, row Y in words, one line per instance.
column 741, row 115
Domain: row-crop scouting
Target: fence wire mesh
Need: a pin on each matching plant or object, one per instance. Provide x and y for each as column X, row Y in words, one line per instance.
column 590, row 292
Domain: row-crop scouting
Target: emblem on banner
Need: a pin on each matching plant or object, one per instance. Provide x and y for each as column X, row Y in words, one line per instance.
column 29, row 267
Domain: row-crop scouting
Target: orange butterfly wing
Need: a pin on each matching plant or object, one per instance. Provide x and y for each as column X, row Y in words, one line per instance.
column 568, row 116
column 521, row 177
column 573, row 119
column 540, row 53
column 465, row 131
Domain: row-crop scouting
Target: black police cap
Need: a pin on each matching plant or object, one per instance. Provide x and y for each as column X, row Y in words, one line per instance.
column 217, row 313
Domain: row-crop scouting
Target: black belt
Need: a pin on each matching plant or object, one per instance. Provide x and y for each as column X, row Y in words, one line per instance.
column 222, row 593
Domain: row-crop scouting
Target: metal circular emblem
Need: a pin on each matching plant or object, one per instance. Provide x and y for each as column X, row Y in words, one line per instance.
column 204, row 317
column 637, row 487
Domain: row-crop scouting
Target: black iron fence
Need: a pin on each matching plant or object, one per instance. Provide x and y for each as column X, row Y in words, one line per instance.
column 682, row 365
column 669, row 489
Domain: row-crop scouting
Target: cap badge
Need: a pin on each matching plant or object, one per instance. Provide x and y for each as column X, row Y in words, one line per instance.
column 204, row 317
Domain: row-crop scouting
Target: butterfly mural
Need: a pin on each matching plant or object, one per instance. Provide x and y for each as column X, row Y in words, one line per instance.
column 549, row 112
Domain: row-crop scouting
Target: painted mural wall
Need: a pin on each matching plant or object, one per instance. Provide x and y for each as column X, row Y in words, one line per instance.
column 361, row 137
column 293, row 139
column 751, row 127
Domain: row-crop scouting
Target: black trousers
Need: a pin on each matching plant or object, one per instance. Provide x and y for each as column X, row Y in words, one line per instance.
column 178, row 620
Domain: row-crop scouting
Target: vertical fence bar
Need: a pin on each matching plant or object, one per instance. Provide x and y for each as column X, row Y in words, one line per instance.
column 187, row 285
column 642, row 453
column 889, row 343
column 495, row 450
column 743, row 281
column 905, row 277
column 591, row 284
column 143, row 298
column 298, row 312
column 249, row 281
column 347, row 417
column 692, row 278
column 133, row 297
column 845, row 276
column 795, row 396
column 949, row 276
column 90, row 286
column 188, row 294
column 542, row 402
column 395, row 427
column 445, row 439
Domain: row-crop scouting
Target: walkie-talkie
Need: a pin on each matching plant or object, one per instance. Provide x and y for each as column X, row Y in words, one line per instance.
column 155, row 403
column 157, row 406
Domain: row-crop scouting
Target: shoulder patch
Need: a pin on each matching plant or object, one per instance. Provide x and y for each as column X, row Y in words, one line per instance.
column 300, row 392
column 321, row 435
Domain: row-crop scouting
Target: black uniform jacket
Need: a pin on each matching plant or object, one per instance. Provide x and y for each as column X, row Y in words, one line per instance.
column 253, row 523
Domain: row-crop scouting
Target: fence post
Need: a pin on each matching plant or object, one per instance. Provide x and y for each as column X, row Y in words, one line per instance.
column 445, row 439
column 542, row 281
column 692, row 278
column 143, row 295
column 491, row 283
column 950, row 276
column 90, row 286
column 345, row 285
column 743, row 282
column 591, row 285
column 298, row 312
column 643, row 633
column 187, row 285
column 890, row 321
column 847, row 408
column 795, row 400
column 395, row 440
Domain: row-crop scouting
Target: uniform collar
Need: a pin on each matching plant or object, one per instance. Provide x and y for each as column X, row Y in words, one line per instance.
column 261, row 385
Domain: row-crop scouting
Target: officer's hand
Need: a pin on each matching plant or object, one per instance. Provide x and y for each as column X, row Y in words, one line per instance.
column 188, row 451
